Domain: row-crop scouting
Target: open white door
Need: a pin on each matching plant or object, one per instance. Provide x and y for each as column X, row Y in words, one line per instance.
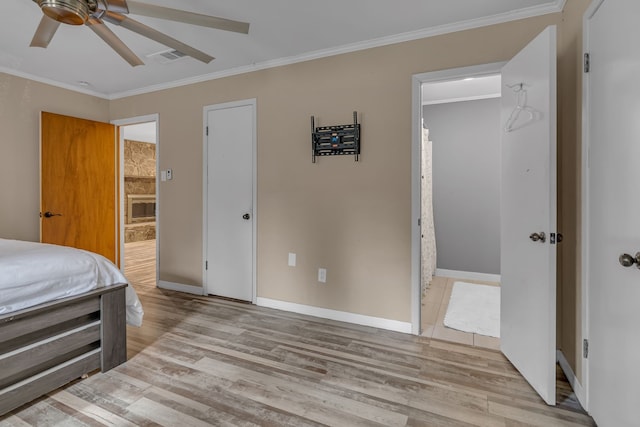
column 613, row 208
column 528, row 209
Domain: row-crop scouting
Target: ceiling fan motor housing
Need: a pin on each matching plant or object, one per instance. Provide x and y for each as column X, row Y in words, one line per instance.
column 73, row 12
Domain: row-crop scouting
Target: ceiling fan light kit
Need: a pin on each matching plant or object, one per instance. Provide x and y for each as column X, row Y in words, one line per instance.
column 72, row 12
column 92, row 12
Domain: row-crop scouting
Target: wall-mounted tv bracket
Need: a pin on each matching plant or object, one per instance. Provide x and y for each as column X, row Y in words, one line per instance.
column 335, row 140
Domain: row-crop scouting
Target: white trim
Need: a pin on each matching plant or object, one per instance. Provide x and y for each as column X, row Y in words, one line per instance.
column 586, row 190
column 179, row 287
column 416, row 135
column 553, row 7
column 205, row 182
column 468, row 275
column 571, row 377
column 341, row 316
column 416, row 211
column 133, row 121
column 462, row 99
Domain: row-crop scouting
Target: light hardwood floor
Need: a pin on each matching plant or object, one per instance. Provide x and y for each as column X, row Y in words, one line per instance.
column 200, row 361
column 434, row 307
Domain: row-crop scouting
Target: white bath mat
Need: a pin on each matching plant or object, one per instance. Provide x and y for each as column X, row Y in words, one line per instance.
column 474, row 308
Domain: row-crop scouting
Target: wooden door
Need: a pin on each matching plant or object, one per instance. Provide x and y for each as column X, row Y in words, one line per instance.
column 230, row 200
column 613, row 208
column 79, row 190
column 528, row 205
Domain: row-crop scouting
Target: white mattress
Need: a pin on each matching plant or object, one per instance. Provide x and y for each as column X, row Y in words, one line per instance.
column 34, row 273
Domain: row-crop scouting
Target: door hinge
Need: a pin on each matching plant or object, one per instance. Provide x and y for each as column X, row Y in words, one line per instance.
column 585, row 348
column 419, row 222
column 207, row 128
column 206, row 265
column 587, row 62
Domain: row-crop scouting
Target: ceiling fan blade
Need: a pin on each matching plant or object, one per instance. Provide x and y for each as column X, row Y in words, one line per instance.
column 46, row 29
column 112, row 40
column 137, row 27
column 187, row 17
column 118, row 6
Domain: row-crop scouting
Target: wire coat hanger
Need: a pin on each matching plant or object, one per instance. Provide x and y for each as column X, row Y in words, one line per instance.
column 521, row 106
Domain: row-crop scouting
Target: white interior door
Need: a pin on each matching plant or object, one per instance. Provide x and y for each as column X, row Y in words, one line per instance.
column 230, row 143
column 613, row 174
column 528, row 205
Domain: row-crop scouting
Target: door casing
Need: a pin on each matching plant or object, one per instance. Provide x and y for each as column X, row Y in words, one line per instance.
column 205, row 217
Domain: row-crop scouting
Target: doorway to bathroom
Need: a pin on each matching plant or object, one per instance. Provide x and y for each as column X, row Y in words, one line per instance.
column 460, row 210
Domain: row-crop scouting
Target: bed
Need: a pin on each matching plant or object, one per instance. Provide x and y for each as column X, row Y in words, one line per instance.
column 63, row 314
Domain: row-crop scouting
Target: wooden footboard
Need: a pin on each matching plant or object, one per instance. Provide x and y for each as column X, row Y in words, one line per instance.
column 46, row 346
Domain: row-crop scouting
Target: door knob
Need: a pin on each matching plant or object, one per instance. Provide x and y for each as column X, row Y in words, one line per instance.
column 538, row 237
column 246, row 216
column 627, row 260
column 48, row 214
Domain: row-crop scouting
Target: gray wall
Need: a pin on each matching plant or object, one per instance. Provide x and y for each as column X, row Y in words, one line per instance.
column 466, row 183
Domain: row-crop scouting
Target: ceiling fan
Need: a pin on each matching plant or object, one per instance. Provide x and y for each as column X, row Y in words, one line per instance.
column 93, row 13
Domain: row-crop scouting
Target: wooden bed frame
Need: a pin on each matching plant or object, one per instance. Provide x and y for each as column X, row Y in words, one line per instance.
column 46, row 346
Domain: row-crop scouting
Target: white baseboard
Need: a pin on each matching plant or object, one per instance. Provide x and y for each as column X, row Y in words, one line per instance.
column 468, row 275
column 341, row 316
column 571, row 377
column 172, row 286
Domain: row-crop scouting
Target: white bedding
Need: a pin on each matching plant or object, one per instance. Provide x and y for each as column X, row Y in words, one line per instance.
column 34, row 273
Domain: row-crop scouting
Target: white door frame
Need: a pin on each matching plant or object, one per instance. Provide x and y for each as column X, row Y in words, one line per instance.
column 416, row 136
column 586, row 191
column 134, row 121
column 205, row 158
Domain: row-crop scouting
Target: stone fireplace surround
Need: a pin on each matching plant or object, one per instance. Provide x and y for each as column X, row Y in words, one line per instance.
column 139, row 179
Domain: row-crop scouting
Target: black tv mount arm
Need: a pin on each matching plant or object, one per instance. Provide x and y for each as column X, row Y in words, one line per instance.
column 335, row 140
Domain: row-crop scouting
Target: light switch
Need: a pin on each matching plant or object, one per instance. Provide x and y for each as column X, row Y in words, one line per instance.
column 163, row 175
column 292, row 259
column 169, row 174
column 322, row 275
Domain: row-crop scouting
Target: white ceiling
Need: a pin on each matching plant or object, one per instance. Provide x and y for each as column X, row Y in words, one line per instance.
column 281, row 32
column 461, row 89
column 141, row 132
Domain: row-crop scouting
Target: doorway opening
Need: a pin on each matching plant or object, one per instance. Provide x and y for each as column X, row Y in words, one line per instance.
column 445, row 106
column 460, row 210
column 139, row 207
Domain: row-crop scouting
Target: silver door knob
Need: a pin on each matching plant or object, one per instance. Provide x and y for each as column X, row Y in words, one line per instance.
column 627, row 260
column 541, row 237
column 246, row 216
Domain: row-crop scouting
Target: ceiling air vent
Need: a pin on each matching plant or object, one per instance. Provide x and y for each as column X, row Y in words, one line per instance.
column 166, row 56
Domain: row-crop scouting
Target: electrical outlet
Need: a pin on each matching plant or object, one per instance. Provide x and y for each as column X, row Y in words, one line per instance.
column 322, row 275
column 292, row 259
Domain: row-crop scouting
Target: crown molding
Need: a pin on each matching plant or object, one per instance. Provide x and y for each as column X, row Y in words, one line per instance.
column 50, row 82
column 529, row 12
column 553, row 7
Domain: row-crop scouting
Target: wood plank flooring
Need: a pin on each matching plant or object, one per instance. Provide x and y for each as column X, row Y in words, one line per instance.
column 200, row 361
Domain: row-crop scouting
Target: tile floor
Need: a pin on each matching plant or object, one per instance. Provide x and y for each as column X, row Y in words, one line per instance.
column 434, row 308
